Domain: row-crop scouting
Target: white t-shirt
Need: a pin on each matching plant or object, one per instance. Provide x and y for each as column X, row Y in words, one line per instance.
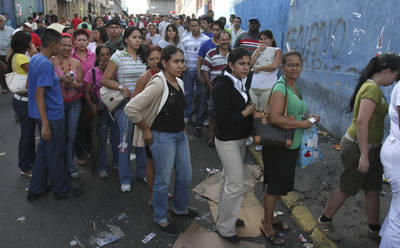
column 154, row 39
column 265, row 79
column 393, row 114
column 192, row 46
column 163, row 43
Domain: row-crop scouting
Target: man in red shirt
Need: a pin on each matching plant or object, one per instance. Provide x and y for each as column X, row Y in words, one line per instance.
column 75, row 22
column 35, row 38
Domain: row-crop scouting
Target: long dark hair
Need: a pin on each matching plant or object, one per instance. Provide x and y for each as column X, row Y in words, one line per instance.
column 103, row 33
column 19, row 44
column 176, row 38
column 142, row 49
column 269, row 34
column 235, row 55
column 375, row 65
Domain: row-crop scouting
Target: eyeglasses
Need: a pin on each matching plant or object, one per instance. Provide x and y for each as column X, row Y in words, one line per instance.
column 294, row 65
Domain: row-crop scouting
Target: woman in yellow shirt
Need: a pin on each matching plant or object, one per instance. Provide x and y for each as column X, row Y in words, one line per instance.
column 19, row 63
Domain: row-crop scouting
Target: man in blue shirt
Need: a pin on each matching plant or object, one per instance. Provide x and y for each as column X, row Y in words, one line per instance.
column 206, row 24
column 46, row 106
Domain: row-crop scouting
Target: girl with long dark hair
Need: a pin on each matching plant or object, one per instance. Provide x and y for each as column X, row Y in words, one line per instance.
column 129, row 64
column 159, row 113
column 361, row 145
column 171, row 37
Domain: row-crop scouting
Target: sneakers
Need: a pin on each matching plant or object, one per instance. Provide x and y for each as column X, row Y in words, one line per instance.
column 103, row 174
column 329, row 230
column 27, row 174
column 126, row 187
column 249, row 141
column 258, row 148
column 206, row 123
column 74, row 174
column 198, row 132
column 143, row 179
column 187, row 120
column 170, row 229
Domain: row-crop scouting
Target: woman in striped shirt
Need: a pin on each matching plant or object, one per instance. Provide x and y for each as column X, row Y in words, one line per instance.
column 129, row 64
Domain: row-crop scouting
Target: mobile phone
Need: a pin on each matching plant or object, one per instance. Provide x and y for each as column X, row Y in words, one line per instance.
column 312, row 120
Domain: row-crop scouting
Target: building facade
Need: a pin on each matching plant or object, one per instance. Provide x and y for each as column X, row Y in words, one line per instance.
column 161, row 6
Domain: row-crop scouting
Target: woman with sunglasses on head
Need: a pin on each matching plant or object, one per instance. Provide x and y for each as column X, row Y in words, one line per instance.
column 159, row 113
column 233, row 121
column 92, row 80
column 129, row 64
column 361, row 145
column 69, row 73
column 280, row 163
column 171, row 37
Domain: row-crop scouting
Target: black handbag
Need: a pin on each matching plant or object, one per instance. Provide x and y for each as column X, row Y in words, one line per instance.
column 269, row 135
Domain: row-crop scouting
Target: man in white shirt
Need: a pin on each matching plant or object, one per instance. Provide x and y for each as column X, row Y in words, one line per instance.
column 236, row 31
column 192, row 44
column 152, row 35
column 162, row 26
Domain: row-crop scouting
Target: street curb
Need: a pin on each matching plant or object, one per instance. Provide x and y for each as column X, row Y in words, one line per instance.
column 300, row 213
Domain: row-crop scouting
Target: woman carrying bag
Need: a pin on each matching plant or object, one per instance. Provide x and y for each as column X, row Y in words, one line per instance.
column 233, row 119
column 129, row 64
column 159, row 113
column 280, row 163
column 19, row 63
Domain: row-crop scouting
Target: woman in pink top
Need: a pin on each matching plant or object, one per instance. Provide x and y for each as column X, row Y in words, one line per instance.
column 87, row 59
column 70, row 75
column 92, row 80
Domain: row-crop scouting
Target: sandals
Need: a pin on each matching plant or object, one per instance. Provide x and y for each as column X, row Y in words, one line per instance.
column 282, row 226
column 275, row 240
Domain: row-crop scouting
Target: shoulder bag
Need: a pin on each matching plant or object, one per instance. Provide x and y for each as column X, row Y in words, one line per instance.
column 16, row 82
column 111, row 98
column 268, row 134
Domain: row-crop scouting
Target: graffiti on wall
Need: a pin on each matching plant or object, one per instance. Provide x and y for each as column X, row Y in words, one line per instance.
column 321, row 44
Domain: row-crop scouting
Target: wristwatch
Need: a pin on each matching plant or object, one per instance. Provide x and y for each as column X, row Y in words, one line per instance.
column 120, row 87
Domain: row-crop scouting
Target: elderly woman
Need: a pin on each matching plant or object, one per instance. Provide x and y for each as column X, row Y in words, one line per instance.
column 279, row 171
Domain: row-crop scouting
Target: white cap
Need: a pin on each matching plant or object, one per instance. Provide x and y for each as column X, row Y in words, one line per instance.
column 28, row 24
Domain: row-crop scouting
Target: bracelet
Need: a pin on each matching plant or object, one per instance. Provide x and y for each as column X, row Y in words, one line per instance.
column 120, row 87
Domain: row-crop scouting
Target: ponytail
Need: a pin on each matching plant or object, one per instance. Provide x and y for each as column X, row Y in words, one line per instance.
column 375, row 65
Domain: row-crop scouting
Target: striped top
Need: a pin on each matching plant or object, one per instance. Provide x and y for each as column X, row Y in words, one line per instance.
column 250, row 43
column 192, row 46
column 129, row 69
column 214, row 63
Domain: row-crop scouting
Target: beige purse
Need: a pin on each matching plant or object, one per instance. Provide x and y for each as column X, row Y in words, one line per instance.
column 111, row 98
column 16, row 82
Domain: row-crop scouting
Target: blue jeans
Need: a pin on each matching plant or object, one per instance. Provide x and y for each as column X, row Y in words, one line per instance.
column 190, row 81
column 72, row 112
column 126, row 135
column 26, row 147
column 170, row 150
column 105, row 122
column 49, row 160
column 201, row 114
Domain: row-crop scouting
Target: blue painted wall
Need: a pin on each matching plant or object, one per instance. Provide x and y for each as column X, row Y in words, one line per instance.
column 273, row 14
column 337, row 40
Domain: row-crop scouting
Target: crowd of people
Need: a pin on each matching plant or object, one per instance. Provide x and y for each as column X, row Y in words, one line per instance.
column 174, row 71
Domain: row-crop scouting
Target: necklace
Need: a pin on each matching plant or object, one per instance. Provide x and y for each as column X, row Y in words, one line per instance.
column 63, row 68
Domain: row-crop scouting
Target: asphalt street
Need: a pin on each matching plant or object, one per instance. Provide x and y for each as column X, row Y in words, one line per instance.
column 49, row 223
